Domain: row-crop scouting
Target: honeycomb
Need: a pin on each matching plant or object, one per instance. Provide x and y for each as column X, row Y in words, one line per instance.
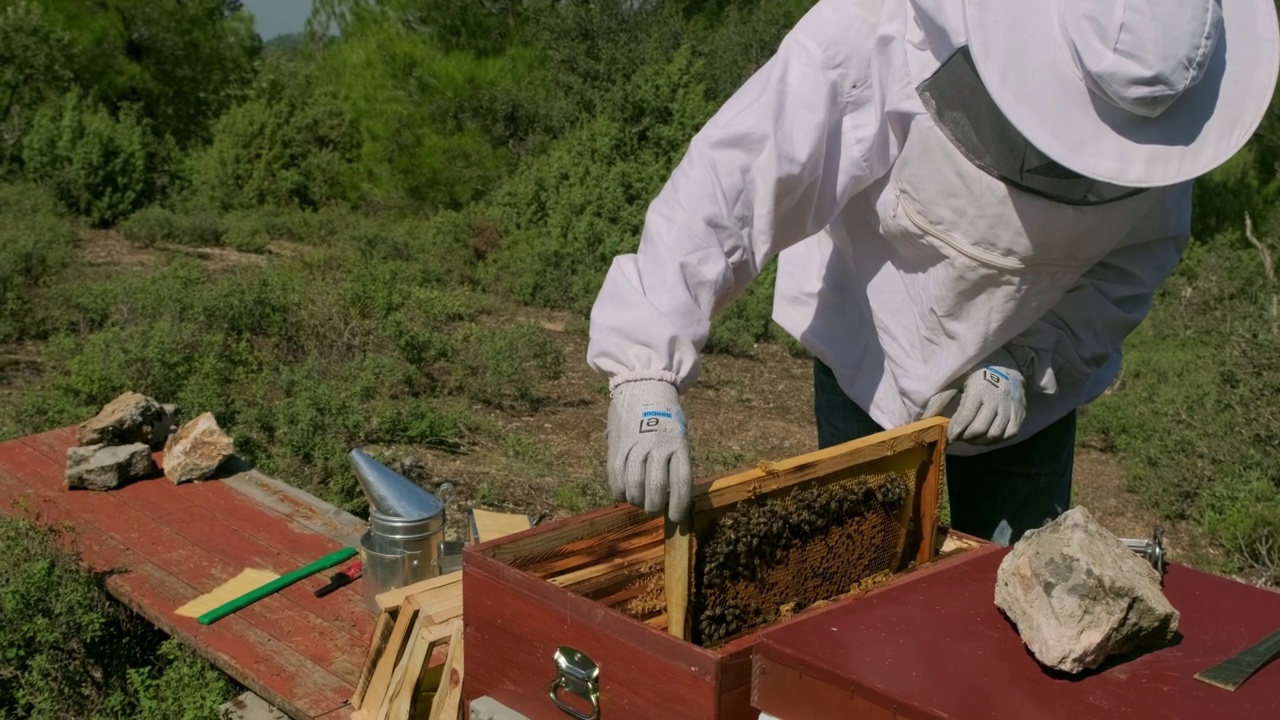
column 794, row 549
column 649, row 590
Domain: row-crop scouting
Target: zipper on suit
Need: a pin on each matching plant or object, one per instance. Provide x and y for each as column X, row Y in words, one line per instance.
column 977, row 255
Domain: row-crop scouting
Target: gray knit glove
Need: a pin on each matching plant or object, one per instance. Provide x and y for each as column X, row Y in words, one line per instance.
column 992, row 403
column 648, row 451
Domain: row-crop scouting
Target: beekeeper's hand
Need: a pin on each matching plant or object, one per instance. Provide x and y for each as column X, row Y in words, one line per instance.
column 648, row 451
column 992, row 403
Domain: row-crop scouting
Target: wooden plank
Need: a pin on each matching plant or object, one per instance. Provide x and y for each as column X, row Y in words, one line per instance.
column 204, row 529
column 380, row 682
column 611, row 566
column 393, row 598
column 678, row 575
column 827, row 462
column 377, row 646
column 928, row 496
column 297, row 685
column 245, row 534
column 214, row 498
column 588, row 551
column 448, row 699
column 546, row 540
column 510, row 636
column 245, row 648
column 198, row 567
column 301, row 507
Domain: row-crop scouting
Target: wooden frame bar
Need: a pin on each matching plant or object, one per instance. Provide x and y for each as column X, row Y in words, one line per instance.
column 920, row 445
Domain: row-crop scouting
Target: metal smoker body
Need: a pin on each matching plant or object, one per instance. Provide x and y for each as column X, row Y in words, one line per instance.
column 406, row 528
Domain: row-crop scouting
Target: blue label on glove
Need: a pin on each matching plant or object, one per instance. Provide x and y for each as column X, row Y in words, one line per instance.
column 652, row 421
column 994, row 376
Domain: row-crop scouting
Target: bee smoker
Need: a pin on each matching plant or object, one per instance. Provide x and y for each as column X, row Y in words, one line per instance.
column 406, row 528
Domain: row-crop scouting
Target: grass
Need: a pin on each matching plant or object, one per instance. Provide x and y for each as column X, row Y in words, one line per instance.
column 68, row 650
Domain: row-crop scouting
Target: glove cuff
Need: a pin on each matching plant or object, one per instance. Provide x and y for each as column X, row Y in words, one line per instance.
column 642, row 375
column 1004, row 359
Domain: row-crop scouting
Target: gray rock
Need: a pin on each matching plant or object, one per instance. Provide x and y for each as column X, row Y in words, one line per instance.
column 196, row 450
column 102, row 467
column 1078, row 595
column 130, row 418
column 165, row 424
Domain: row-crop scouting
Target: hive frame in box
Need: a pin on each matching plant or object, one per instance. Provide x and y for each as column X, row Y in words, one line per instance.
column 518, row 617
column 920, row 446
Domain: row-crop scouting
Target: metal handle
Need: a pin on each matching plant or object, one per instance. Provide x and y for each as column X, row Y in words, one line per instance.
column 577, row 674
column 445, row 492
column 1151, row 550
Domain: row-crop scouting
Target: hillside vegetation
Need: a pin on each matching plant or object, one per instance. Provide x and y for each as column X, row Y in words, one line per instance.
column 355, row 237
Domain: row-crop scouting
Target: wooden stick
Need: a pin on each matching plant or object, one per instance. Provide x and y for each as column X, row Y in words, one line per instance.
column 928, row 488
column 606, row 546
column 822, row 463
column 393, row 598
column 377, row 646
column 379, row 684
column 679, row 574
column 275, row 586
column 613, row 565
column 404, row 685
column 550, row 542
column 448, row 699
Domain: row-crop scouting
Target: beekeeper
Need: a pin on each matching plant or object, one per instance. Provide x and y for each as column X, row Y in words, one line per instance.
column 972, row 203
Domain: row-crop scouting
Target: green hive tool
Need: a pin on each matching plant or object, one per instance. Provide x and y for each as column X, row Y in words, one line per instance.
column 1232, row 672
column 276, row 585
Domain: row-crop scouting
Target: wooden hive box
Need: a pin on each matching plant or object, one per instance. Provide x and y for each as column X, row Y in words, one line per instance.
column 578, row 610
column 936, row 647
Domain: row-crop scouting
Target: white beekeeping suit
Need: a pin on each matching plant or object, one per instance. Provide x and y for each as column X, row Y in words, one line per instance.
column 910, row 247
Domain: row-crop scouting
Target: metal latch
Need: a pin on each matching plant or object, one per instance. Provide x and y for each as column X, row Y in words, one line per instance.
column 576, row 674
column 1152, row 550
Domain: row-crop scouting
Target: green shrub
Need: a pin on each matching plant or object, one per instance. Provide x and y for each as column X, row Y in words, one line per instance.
column 33, row 68
column 152, row 225
column 246, row 233
column 1193, row 416
column 298, row 359
column 291, row 145
column 97, row 165
column 68, row 650
column 37, row 241
column 156, row 225
column 506, row 367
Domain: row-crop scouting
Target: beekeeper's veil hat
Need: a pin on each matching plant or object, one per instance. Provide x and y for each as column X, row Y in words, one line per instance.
column 1140, row 93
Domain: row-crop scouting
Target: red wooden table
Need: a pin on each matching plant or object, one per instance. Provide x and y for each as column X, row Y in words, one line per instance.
column 174, row 543
column 940, row 648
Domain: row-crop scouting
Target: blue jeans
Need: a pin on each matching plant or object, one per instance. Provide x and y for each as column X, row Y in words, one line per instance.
column 997, row 495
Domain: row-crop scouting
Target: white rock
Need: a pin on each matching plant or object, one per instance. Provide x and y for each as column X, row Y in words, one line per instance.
column 1078, row 595
column 196, row 450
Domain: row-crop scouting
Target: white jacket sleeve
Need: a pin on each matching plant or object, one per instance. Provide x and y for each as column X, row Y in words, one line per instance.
column 771, row 168
column 1086, row 328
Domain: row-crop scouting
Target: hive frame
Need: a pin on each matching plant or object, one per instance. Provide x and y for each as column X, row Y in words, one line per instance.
column 921, row 445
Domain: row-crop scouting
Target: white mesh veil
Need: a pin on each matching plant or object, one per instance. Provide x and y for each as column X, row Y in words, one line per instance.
column 960, row 105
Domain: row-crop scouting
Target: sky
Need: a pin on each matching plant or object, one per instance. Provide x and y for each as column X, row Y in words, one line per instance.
column 278, row 17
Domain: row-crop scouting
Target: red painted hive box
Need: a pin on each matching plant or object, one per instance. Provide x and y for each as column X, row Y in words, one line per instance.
column 939, row 647
column 575, row 613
